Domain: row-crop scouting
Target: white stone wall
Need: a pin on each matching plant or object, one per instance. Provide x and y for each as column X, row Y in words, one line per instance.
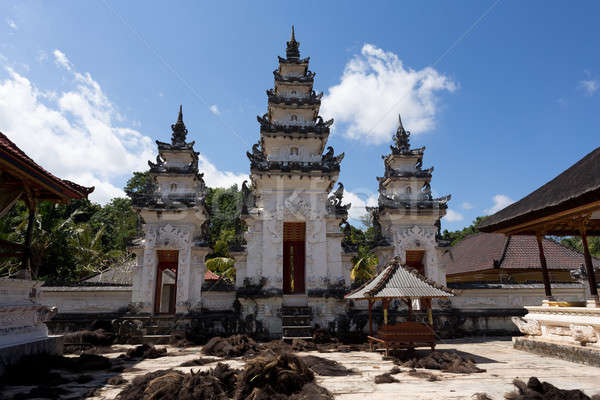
column 83, row 299
column 218, row 301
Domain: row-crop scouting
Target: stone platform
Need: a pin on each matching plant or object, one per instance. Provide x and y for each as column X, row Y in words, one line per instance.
column 10, row 354
column 570, row 352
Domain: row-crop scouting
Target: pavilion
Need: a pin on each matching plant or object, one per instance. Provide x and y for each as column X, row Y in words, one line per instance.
column 397, row 281
column 568, row 205
column 22, row 330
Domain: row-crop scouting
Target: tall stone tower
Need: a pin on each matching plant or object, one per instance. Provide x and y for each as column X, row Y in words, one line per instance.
column 294, row 256
column 407, row 218
column 170, row 257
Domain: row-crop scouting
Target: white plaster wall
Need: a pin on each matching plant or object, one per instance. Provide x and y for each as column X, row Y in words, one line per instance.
column 218, row 301
column 86, row 299
column 515, row 297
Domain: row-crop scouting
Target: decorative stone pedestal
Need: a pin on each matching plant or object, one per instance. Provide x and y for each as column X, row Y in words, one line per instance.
column 564, row 332
column 22, row 322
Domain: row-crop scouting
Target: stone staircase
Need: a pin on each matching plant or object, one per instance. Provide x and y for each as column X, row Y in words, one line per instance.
column 155, row 329
column 296, row 322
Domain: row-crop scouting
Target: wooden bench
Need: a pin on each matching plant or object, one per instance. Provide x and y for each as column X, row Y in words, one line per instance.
column 404, row 335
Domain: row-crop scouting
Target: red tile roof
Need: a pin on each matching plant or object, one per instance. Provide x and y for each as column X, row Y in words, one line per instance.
column 13, row 159
column 211, row 276
column 484, row 251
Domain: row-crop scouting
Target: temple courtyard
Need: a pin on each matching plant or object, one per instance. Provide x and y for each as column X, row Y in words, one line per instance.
column 496, row 355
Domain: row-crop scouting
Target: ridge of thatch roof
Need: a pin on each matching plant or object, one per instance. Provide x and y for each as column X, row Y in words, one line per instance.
column 398, row 280
column 576, row 186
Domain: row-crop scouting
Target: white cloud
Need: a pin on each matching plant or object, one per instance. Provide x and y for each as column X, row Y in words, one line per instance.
column 590, row 86
column 453, row 216
column 359, row 199
column 12, row 25
column 375, row 87
column 214, row 109
column 215, row 178
column 467, row 206
column 61, row 59
column 500, row 201
column 72, row 134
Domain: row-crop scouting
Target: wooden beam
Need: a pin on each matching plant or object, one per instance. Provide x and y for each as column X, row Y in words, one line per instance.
column 545, row 275
column 589, row 266
column 370, row 317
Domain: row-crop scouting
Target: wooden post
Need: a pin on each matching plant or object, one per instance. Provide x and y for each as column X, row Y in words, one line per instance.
column 370, row 317
column 27, row 251
column 545, row 275
column 589, row 266
column 385, row 303
column 409, row 304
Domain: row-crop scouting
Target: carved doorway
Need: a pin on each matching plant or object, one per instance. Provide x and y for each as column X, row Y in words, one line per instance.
column 166, row 282
column 414, row 259
column 294, row 250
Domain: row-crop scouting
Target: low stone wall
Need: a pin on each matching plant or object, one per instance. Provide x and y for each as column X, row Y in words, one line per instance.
column 578, row 354
column 86, row 299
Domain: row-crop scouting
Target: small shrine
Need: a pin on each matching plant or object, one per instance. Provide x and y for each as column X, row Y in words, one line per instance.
column 407, row 217
column 170, row 256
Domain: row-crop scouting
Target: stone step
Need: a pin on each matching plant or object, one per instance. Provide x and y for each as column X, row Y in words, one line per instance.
column 297, row 331
column 296, row 337
column 293, row 311
column 293, row 320
column 156, row 339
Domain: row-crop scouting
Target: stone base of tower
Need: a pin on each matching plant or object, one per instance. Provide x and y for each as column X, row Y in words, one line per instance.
column 265, row 316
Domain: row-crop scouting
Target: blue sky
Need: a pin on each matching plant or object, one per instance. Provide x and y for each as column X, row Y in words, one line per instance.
column 505, row 95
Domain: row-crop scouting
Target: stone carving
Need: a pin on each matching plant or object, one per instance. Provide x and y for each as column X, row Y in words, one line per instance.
column 527, row 327
column 247, row 198
column 401, row 139
column 171, row 236
column 257, row 158
column 44, row 314
column 334, row 202
column 330, row 161
column 583, row 334
column 179, row 130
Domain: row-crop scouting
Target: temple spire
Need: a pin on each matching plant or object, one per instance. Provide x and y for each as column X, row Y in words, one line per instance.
column 179, row 130
column 292, row 52
column 401, row 139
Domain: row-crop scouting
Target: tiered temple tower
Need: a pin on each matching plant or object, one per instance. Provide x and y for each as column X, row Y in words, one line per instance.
column 294, row 256
column 407, row 218
column 170, row 257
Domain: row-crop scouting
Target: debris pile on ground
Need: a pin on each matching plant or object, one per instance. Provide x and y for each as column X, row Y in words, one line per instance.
column 83, row 340
column 284, row 376
column 385, row 378
column 325, row 367
column 116, row 380
column 536, row 390
column 233, row 346
column 424, row 375
column 144, row 351
column 217, row 383
column 322, row 336
column 199, row 362
column 445, row 361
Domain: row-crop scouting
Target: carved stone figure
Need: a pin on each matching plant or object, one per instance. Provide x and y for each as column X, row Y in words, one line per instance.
column 583, row 334
column 527, row 327
column 257, row 158
column 401, row 139
column 179, row 130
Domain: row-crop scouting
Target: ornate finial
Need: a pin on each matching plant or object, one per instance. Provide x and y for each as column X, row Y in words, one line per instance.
column 179, row 130
column 401, row 139
column 292, row 52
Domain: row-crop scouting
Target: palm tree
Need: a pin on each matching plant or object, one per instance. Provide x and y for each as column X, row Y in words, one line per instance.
column 364, row 268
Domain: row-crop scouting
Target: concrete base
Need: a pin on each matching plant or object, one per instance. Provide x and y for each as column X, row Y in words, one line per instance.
column 13, row 353
column 575, row 353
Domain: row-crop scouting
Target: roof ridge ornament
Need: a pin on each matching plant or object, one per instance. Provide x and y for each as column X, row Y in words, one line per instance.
column 179, row 130
column 292, row 52
column 401, row 139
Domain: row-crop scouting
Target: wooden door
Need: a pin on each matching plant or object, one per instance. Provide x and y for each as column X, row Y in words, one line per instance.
column 414, row 259
column 166, row 282
column 294, row 257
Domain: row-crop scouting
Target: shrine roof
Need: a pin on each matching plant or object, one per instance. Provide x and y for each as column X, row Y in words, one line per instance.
column 398, row 280
column 577, row 186
column 485, row 251
column 17, row 163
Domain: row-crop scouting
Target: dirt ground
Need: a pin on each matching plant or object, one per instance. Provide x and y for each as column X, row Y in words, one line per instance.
column 501, row 362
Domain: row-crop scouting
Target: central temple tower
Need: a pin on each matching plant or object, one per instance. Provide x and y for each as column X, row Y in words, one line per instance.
column 294, row 257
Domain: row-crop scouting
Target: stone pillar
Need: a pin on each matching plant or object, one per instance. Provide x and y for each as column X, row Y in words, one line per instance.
column 240, row 258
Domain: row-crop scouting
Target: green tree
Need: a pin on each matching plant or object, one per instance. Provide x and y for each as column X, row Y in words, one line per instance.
column 456, row 236
column 574, row 242
column 141, row 183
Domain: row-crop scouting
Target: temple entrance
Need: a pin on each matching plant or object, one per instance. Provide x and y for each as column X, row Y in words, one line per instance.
column 414, row 259
column 294, row 249
column 166, row 282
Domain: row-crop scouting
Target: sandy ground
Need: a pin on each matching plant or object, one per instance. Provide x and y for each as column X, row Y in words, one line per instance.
column 501, row 361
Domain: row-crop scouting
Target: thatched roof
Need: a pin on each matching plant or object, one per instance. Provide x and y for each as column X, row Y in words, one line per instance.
column 398, row 280
column 577, row 186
